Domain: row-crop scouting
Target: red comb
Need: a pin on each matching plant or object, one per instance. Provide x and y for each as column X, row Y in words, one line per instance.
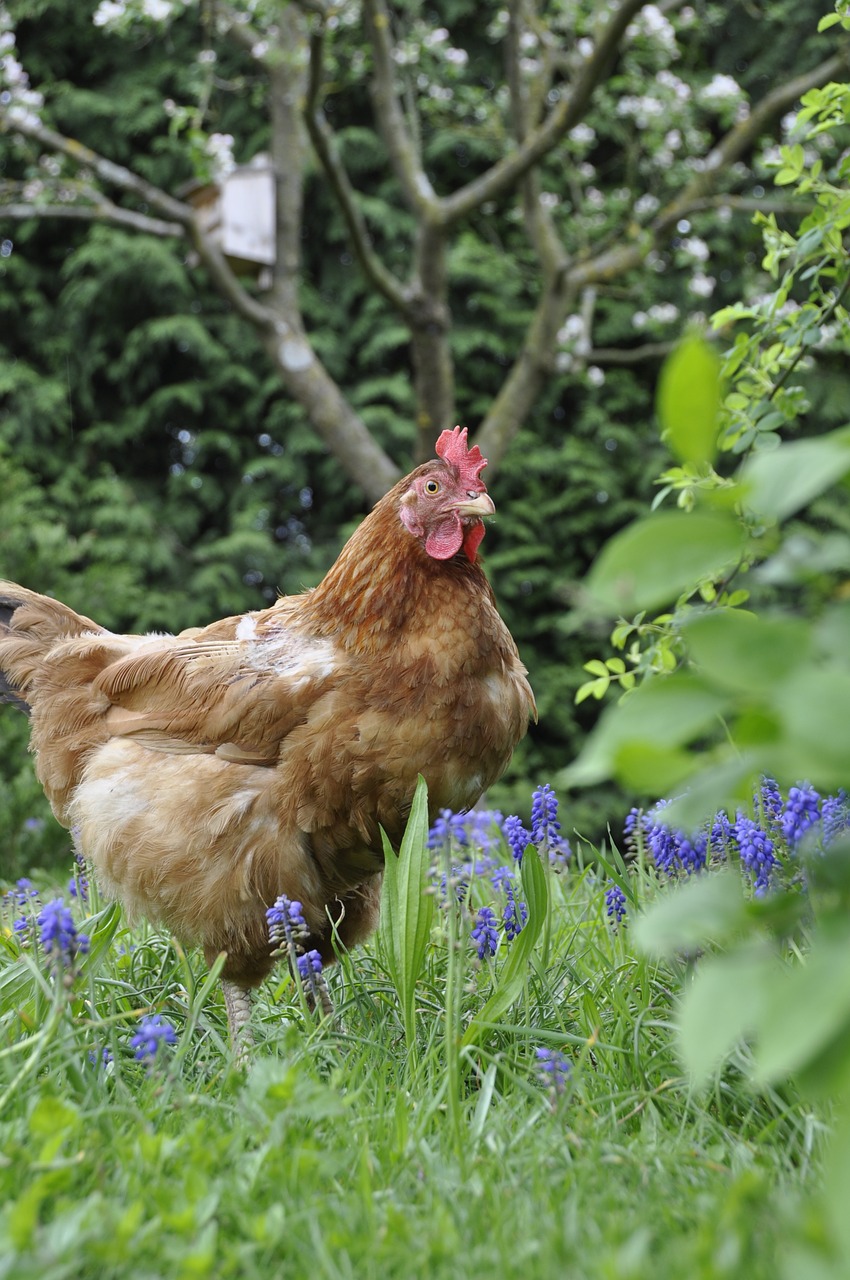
column 451, row 447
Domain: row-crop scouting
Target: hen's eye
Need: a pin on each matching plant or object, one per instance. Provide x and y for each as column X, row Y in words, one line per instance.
column 431, row 486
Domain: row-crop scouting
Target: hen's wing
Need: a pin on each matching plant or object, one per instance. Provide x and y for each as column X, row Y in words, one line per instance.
column 236, row 698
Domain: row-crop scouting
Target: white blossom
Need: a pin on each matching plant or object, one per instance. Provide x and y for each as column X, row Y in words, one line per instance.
column 646, row 205
column 571, row 330
column 108, row 12
column 157, row 10
column 721, row 88
column 663, row 312
column 595, row 375
column 652, row 23
column 219, row 148
column 702, row 285
column 640, row 109
column 583, row 134
column 668, row 80
column 695, row 248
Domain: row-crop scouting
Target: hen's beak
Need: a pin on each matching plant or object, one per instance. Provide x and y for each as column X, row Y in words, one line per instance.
column 477, row 504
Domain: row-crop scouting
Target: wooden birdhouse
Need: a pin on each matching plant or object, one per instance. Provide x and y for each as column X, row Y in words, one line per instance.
column 238, row 213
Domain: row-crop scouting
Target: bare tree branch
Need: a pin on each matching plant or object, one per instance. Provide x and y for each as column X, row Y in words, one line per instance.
column 322, row 137
column 507, row 172
column 631, row 355
column 752, row 204
column 108, row 171
column 240, row 31
column 415, row 184
column 104, row 211
column 741, row 139
column 538, row 221
column 534, row 363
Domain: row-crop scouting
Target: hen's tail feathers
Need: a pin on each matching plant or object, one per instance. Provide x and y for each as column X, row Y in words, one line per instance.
column 30, row 625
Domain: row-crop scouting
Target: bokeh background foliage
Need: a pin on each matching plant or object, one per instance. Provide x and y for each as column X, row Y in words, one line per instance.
column 157, row 472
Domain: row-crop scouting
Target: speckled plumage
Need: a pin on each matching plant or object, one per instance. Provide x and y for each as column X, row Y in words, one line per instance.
column 209, row 772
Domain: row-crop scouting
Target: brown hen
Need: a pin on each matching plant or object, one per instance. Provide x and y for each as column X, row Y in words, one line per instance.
column 207, row 773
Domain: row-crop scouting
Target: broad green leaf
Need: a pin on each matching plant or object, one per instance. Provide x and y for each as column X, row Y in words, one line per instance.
column 655, row 560
column 653, row 770
column 664, row 713
column 741, row 651
column 407, row 910
column 806, row 1008
column 778, row 483
column 511, row 978
column 689, row 400
column 836, row 1178
column 723, row 785
column 723, row 1005
column 813, row 706
column 706, row 908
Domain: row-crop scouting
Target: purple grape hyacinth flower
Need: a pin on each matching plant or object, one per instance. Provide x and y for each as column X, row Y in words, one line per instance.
column 757, row 852
column 514, row 915
column 485, row 934
column 309, row 965
column 516, row 835
column 802, row 810
column 615, row 902
column 58, row 933
column 552, row 1070
column 286, row 922
column 544, row 815
column 153, row 1033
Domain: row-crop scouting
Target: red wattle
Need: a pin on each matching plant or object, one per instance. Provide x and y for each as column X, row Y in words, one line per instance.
column 446, row 540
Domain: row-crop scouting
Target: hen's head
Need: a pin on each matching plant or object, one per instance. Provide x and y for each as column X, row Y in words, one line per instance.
column 445, row 500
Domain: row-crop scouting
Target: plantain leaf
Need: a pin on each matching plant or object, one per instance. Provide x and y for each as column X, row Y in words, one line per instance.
column 407, row 910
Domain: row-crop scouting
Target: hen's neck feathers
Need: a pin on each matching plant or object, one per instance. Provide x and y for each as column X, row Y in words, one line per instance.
column 384, row 581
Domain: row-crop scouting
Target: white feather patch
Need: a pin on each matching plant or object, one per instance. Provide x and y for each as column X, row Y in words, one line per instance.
column 246, row 628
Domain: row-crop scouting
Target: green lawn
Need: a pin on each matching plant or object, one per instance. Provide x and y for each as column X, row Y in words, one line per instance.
column 349, row 1149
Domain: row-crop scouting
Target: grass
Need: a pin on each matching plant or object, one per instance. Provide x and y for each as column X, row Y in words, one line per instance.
column 373, row 1146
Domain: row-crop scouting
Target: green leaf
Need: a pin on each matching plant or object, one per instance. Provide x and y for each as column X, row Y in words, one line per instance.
column 723, row 1005
column 511, row 978
column 689, row 398
column 836, row 1180
column 720, row 786
column 778, row 483
column 662, row 713
column 707, row 908
column 806, row 1008
column 652, row 770
column 407, row 910
column 741, row 651
column 655, row 560
column 813, row 706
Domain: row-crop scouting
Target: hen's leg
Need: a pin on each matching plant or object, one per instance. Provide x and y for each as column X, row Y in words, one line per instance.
column 237, row 1001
